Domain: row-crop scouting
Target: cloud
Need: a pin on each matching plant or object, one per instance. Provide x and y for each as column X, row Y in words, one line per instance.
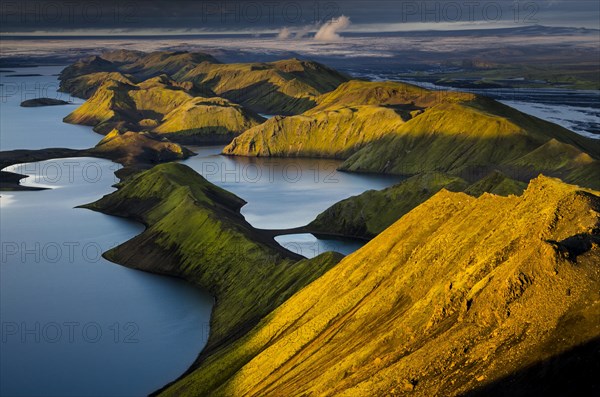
column 329, row 31
column 284, row 34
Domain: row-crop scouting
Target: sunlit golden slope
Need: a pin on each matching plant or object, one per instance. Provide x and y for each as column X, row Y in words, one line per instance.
column 164, row 106
column 458, row 293
column 284, row 87
column 288, row 86
column 370, row 213
column 334, row 134
column 397, row 128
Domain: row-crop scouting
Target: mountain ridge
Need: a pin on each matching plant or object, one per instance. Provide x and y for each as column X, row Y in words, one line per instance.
column 457, row 303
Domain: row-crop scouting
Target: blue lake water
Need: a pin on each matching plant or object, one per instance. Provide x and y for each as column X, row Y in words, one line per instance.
column 283, row 193
column 38, row 127
column 72, row 323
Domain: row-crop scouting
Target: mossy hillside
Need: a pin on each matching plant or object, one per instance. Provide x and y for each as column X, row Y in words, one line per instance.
column 459, row 292
column 565, row 161
column 165, row 62
column 283, row 87
column 195, row 231
column 370, row 213
column 136, row 64
column 129, row 148
column 122, row 56
column 164, row 106
column 446, row 137
column 496, row 183
column 449, row 132
column 386, row 93
column 85, row 86
column 211, row 117
column 106, row 108
column 330, row 133
column 83, row 66
column 344, row 121
column 453, row 137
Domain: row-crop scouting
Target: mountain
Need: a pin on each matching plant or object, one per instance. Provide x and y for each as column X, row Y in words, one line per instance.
column 461, row 296
column 165, row 107
column 137, row 65
column 368, row 214
column 282, row 87
column 333, row 134
column 129, row 148
column 195, row 231
column 86, row 85
column 343, row 121
column 215, row 118
column 397, row 128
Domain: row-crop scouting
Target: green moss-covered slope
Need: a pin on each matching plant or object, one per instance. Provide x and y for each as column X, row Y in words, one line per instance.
column 129, row 148
column 195, row 231
column 137, row 65
column 496, row 183
column 85, row 86
column 451, row 137
column 373, row 211
column 386, row 93
column 334, row 134
column 164, row 106
column 460, row 293
column 409, row 130
column 217, row 119
column 283, row 87
column 370, row 213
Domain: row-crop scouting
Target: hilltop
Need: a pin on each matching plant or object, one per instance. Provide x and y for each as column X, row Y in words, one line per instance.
column 195, row 231
column 129, row 148
column 136, row 65
column 368, row 214
column 491, row 295
column 165, row 107
column 397, row 128
column 283, row 87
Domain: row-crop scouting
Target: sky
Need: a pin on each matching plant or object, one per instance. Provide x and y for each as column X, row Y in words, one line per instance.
column 326, row 19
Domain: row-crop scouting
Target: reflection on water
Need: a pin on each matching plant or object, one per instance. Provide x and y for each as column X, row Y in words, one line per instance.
column 72, row 322
column 309, row 246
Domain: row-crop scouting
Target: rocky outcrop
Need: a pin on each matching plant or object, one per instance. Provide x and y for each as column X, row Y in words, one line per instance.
column 37, row 102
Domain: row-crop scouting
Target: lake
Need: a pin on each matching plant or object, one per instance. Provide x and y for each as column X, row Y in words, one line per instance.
column 38, row 127
column 283, row 193
column 74, row 324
